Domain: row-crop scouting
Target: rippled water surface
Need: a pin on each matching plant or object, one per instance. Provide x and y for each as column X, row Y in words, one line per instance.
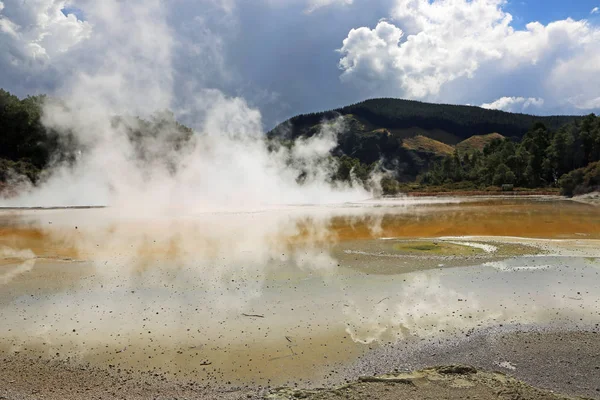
column 288, row 295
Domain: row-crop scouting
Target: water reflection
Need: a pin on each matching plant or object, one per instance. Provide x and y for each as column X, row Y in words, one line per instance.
column 274, row 296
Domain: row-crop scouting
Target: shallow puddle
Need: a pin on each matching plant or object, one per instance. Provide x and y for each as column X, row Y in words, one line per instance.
column 287, row 295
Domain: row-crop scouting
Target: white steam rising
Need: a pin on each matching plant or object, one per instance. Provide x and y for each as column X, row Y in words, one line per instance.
column 147, row 272
column 227, row 164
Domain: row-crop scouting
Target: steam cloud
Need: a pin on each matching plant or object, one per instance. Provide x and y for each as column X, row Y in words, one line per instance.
column 227, row 163
column 147, row 271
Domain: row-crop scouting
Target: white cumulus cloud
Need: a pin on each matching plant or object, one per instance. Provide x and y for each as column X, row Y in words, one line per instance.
column 595, row 10
column 514, row 104
column 372, row 54
column 35, row 31
column 427, row 45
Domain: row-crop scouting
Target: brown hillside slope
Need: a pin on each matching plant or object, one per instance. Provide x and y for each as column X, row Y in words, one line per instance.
column 477, row 142
column 428, row 145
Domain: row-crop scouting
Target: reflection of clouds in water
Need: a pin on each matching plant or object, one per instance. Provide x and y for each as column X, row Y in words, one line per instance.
column 164, row 284
column 421, row 307
column 504, row 266
column 169, row 275
column 28, row 262
column 458, row 300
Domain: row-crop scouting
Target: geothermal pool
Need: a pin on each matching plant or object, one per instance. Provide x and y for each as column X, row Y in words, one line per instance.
column 288, row 295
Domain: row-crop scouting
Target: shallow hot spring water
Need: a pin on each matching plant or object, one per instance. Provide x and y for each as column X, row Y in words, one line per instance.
column 288, row 295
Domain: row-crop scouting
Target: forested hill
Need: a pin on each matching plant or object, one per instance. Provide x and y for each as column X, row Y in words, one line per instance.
column 457, row 121
column 408, row 141
column 407, row 136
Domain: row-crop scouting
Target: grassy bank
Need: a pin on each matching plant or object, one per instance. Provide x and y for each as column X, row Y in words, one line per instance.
column 417, row 190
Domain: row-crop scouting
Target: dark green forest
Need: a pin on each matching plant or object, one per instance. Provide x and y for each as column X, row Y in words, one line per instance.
column 27, row 147
column 567, row 158
column 458, row 120
column 525, row 151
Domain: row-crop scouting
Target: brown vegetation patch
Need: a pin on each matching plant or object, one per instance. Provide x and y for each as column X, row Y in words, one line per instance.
column 477, row 142
column 428, row 145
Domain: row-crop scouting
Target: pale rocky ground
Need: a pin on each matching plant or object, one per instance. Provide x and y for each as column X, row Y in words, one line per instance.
column 590, row 198
column 555, row 362
column 446, row 382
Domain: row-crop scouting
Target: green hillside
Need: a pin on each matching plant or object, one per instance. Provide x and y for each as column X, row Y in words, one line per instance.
column 397, row 114
column 384, row 131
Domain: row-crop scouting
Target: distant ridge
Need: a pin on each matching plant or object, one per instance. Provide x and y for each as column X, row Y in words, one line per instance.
column 408, row 136
column 459, row 120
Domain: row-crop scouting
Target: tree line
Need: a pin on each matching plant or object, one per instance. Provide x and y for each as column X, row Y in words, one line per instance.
column 27, row 147
column 567, row 158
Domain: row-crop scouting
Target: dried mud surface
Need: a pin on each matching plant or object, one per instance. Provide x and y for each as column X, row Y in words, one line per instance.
column 509, row 365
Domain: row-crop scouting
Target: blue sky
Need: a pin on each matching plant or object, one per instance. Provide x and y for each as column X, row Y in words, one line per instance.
column 546, row 11
column 73, row 10
column 285, row 57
